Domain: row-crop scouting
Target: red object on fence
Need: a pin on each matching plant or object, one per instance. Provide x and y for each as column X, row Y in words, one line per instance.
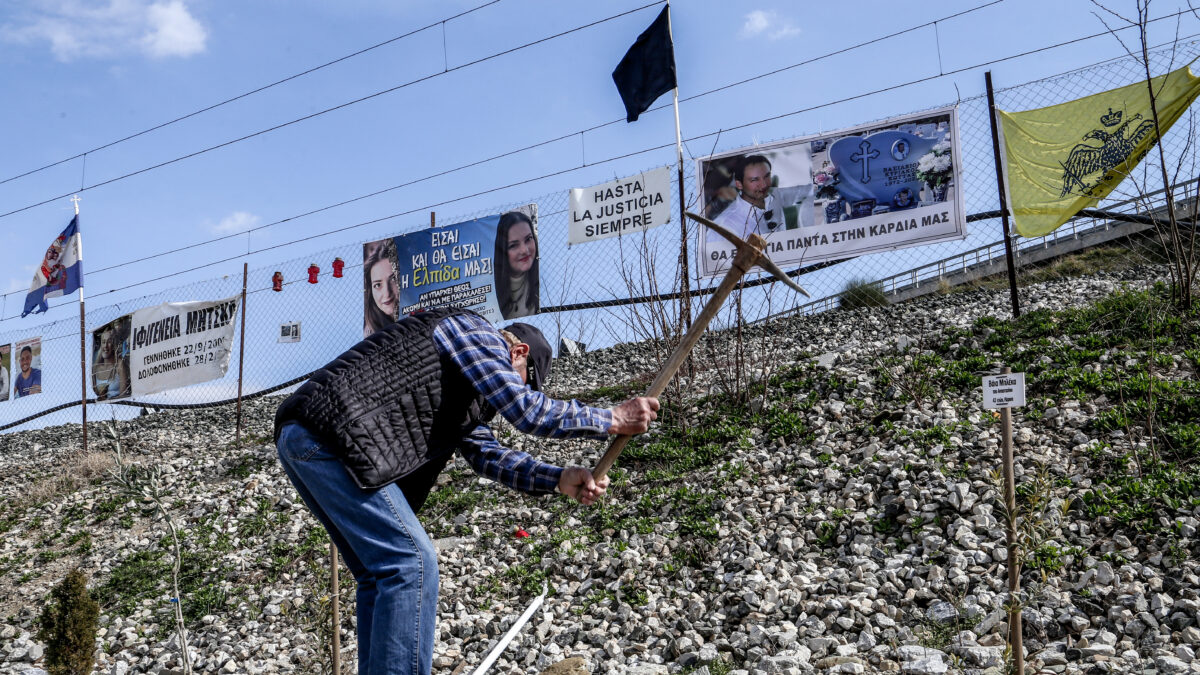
column 313, row 271
column 338, row 264
column 277, row 281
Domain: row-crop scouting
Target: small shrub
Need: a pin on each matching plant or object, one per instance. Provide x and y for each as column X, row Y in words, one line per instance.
column 861, row 293
column 79, row 470
column 68, row 626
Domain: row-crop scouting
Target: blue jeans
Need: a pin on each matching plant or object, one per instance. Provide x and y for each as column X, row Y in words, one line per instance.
column 385, row 547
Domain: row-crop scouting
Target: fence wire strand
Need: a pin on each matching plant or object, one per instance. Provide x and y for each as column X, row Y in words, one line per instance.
column 599, row 293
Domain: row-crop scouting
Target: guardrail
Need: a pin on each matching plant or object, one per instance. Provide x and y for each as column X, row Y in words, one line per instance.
column 1090, row 223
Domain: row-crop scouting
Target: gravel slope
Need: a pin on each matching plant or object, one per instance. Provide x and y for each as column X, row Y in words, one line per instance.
column 869, row 544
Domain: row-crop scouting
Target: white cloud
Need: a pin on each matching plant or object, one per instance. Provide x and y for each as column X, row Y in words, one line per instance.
column 756, row 22
column 78, row 29
column 173, row 31
column 768, row 24
column 238, row 221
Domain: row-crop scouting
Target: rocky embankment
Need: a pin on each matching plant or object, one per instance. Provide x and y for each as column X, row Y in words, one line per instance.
column 849, row 521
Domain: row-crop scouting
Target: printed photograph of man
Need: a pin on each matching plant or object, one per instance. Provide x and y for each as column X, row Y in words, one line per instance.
column 762, row 206
column 5, row 369
column 28, row 380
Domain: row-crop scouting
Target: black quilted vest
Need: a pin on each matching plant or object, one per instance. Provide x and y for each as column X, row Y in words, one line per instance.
column 391, row 407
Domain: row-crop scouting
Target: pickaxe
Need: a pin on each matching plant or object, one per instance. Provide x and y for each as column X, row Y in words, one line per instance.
column 749, row 254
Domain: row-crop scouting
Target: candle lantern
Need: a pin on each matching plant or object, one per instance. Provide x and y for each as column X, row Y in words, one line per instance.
column 338, row 264
column 313, row 271
column 277, row 281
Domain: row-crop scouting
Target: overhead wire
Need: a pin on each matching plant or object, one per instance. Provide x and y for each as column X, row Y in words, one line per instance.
column 582, row 165
column 257, row 90
column 326, row 111
column 594, row 163
column 510, row 153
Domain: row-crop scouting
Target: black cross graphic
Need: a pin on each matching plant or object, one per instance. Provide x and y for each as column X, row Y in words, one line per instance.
column 865, row 155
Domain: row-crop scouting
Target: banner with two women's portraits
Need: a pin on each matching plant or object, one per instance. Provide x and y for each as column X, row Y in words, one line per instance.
column 488, row 265
column 869, row 188
column 163, row 347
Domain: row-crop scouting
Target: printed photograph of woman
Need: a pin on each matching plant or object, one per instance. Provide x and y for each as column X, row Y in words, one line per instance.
column 516, row 265
column 110, row 360
column 5, row 369
column 381, row 298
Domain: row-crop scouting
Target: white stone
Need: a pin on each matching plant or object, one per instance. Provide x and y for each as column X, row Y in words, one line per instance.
column 1169, row 665
column 933, row 666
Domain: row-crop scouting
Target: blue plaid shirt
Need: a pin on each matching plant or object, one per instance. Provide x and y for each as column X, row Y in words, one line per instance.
column 482, row 354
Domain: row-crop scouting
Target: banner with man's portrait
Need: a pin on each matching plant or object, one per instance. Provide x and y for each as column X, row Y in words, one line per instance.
column 489, row 265
column 110, row 360
column 870, row 188
column 27, row 375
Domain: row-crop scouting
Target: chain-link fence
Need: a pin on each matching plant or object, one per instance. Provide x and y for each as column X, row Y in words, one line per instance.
column 623, row 289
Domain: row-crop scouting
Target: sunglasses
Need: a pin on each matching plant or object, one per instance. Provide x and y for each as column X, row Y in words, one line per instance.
column 769, row 215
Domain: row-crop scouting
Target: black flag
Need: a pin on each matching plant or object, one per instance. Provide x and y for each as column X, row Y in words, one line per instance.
column 648, row 69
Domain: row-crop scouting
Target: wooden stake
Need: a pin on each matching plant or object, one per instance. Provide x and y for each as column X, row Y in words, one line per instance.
column 83, row 368
column 1014, row 567
column 241, row 357
column 433, row 219
column 83, row 384
column 337, row 619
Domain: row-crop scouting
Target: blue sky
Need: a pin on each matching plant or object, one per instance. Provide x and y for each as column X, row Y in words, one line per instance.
column 81, row 74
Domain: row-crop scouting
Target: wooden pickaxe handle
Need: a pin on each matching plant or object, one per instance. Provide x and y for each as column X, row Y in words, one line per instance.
column 746, row 258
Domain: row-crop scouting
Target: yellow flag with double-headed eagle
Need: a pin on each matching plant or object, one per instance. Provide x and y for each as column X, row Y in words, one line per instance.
column 1067, row 157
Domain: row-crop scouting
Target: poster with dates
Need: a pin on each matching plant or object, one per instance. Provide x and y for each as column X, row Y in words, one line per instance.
column 176, row 344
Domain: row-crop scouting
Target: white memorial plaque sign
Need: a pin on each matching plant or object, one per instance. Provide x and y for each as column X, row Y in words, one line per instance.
column 1004, row 391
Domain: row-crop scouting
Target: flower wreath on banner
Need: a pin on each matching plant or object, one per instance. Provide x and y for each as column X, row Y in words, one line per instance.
column 936, row 167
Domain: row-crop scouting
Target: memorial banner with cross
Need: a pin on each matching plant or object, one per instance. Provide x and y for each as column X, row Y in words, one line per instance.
column 865, row 189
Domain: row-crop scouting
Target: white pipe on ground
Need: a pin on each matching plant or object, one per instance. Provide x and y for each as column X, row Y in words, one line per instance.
column 512, row 632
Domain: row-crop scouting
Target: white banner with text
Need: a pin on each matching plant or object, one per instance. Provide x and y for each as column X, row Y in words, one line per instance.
column 176, row 344
column 623, row 206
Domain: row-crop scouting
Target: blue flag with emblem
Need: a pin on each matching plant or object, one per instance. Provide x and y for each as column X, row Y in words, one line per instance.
column 60, row 272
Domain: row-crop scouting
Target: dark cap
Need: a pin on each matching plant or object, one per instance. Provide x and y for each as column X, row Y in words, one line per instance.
column 539, row 352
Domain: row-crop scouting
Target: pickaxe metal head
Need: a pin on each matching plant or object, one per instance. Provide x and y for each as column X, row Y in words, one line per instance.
column 762, row 261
